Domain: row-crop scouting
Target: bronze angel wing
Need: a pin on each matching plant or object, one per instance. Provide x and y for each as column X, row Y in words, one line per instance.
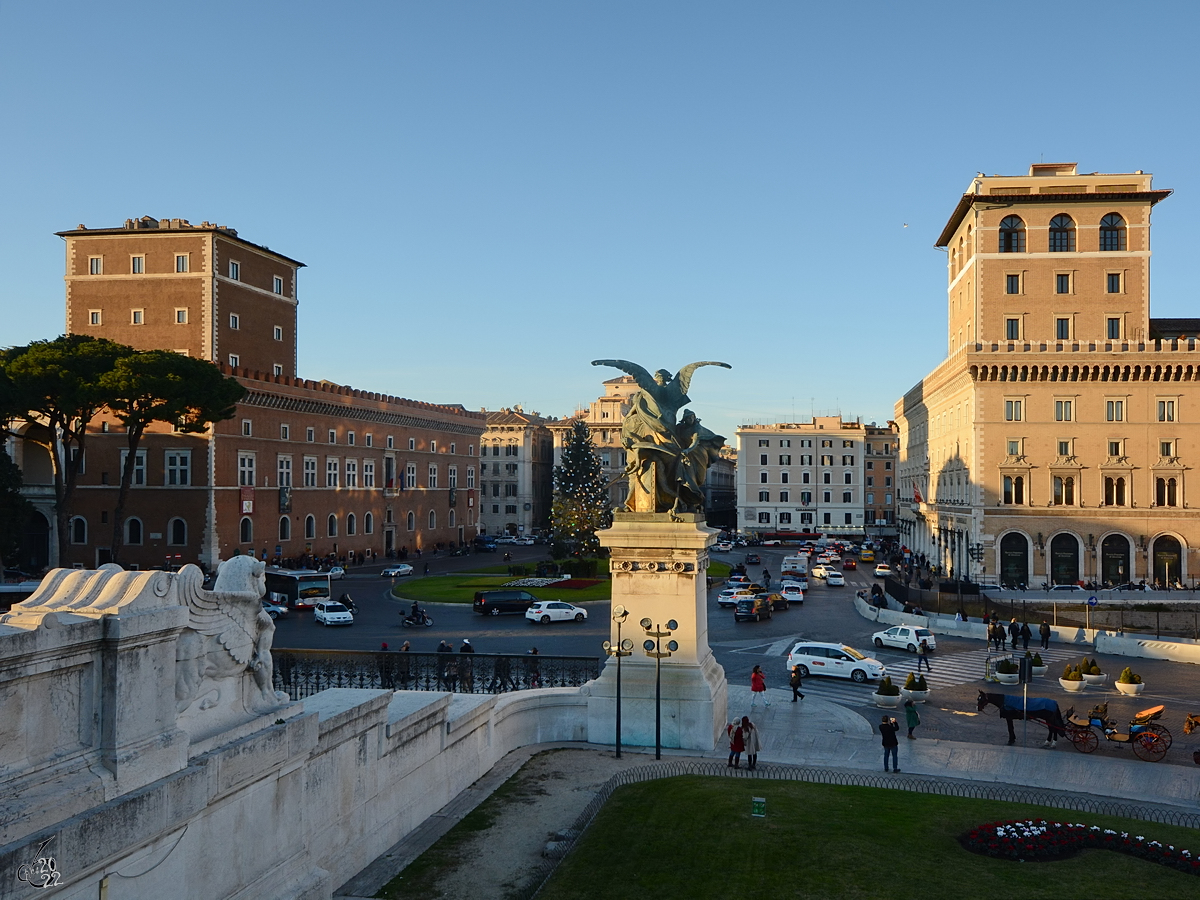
column 644, row 379
column 685, row 374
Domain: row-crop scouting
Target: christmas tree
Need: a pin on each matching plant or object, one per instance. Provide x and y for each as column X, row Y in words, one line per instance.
column 580, row 506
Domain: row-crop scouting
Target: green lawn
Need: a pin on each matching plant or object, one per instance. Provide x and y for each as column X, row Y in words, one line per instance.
column 719, row 569
column 461, row 588
column 693, row 837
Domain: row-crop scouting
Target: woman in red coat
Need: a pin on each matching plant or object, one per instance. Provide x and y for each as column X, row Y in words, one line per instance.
column 758, row 687
column 737, row 743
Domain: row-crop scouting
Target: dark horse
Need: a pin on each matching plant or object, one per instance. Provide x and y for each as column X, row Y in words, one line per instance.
column 1038, row 709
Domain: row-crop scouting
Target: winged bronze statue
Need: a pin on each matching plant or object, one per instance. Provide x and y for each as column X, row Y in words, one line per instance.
column 667, row 458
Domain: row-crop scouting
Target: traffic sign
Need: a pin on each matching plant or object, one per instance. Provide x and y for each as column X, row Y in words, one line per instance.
column 1092, row 600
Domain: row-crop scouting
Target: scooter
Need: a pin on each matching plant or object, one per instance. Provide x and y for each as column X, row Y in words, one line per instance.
column 422, row 618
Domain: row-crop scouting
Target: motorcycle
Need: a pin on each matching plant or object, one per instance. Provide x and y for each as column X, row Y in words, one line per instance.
column 422, row 618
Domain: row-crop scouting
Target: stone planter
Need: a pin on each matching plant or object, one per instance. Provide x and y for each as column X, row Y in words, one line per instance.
column 887, row 701
column 1039, row 671
column 1095, row 679
column 1008, row 677
column 915, row 696
column 1073, row 687
column 1130, row 689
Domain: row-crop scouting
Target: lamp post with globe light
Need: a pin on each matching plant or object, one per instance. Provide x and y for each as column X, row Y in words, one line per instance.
column 620, row 649
column 654, row 650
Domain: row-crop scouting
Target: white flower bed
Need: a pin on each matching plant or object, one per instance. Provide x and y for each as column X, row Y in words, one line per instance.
column 536, row 582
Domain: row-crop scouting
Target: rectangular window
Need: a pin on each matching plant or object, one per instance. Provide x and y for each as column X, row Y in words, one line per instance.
column 826, row 496
column 247, row 428
column 1064, row 448
column 763, row 442
column 234, row 321
column 332, row 436
column 95, row 265
column 137, row 265
column 1114, row 282
column 368, row 473
column 432, row 482
column 1114, row 410
column 470, row 477
column 1113, row 328
column 310, row 434
column 350, row 438
column 762, row 477
column 1114, row 448
column 785, row 518
column 848, row 519
column 277, row 369
column 784, row 496
column 784, row 477
column 310, row 471
column 762, row 459
column 234, row 360
column 283, row 471
column 137, row 317
column 1012, row 410
column 847, row 460
column 827, row 478
column 827, row 459
column 181, row 316
column 870, row 497
column 764, row 518
column 1014, row 448
column 887, row 482
column 367, row 439
column 278, row 333
column 178, row 467
column 1012, row 284
column 806, row 459
column 1062, row 284
column 1062, row 410
column 805, row 497
column 351, row 473
column 390, row 442
column 1062, row 329
column 277, row 283
column 785, row 443
column 1166, row 448
column 235, row 271
column 433, row 449
column 764, row 496
column 785, row 459
column 410, row 475
column 806, row 442
column 332, row 469
column 847, row 445
column 826, row 519
column 94, row 317
column 246, row 469
column 805, row 477
column 806, row 518
column 412, row 445
column 1012, row 329
column 870, row 480
column 846, row 497
column 1166, row 410
column 452, row 476
column 181, row 262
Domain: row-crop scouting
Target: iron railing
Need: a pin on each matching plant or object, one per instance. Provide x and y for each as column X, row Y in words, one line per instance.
column 302, row 673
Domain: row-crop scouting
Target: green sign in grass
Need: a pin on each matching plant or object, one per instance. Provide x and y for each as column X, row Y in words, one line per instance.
column 758, row 807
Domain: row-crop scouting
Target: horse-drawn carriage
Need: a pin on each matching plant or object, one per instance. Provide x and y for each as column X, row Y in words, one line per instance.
column 1150, row 741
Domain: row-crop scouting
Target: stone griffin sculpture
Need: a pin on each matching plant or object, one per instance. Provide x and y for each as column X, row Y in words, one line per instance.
column 228, row 636
column 668, row 455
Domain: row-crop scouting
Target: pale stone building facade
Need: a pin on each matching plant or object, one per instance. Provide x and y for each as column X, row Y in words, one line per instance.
column 604, row 417
column 516, row 473
column 1053, row 443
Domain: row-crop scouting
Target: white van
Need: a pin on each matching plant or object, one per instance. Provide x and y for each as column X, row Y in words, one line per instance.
column 794, row 565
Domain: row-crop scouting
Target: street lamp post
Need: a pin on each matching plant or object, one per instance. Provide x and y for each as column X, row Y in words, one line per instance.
column 622, row 648
column 654, row 650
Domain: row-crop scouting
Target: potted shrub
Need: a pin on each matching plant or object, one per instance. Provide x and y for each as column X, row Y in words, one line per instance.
column 916, row 688
column 887, row 695
column 1039, row 668
column 1072, row 680
column 1129, row 683
column 1008, row 672
column 1091, row 672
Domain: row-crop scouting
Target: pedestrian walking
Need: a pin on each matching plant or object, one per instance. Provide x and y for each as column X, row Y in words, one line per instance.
column 758, row 687
column 1014, row 632
column 923, row 656
column 888, row 729
column 797, row 683
column 912, row 718
column 1044, row 631
column 384, row 647
column 751, row 742
column 1026, row 634
column 426, row 569
column 736, row 743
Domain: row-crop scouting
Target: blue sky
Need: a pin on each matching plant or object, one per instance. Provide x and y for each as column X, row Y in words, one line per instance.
column 490, row 195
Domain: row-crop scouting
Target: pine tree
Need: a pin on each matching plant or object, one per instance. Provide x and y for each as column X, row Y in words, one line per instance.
column 580, row 506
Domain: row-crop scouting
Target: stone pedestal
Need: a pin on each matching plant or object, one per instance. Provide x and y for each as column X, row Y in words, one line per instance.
column 659, row 571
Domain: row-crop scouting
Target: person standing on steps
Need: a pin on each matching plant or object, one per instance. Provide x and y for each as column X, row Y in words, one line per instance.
column 797, row 683
column 1044, row 631
column 758, row 687
column 736, row 743
column 912, row 718
column 888, row 729
column 1014, row 632
column 923, row 656
column 751, row 742
column 1026, row 634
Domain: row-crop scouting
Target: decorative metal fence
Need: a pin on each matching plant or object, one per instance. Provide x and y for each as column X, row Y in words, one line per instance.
column 302, row 673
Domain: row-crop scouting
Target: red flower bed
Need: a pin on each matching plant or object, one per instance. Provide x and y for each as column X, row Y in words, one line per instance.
column 1030, row 840
column 577, row 583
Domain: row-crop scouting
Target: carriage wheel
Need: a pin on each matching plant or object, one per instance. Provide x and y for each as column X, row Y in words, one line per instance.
column 1163, row 734
column 1083, row 739
column 1149, row 746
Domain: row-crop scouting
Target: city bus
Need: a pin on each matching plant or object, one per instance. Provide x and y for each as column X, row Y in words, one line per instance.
column 297, row 588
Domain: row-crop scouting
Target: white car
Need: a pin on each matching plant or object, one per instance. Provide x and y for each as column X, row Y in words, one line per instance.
column 792, row 592
column 723, row 546
column 275, row 610
column 1066, row 587
column 337, row 573
column 730, row 596
column 834, row 578
column 801, row 581
column 506, row 539
column 547, row 611
column 397, row 571
column 330, row 612
column 523, row 541
column 820, row 571
column 883, row 570
column 906, row 637
column 838, row 660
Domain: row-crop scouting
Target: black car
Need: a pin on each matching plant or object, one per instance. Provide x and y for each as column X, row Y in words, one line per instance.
column 492, row 603
column 484, row 544
column 755, row 608
column 752, row 559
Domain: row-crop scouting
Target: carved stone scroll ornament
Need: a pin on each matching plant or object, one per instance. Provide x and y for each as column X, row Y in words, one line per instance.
column 228, row 640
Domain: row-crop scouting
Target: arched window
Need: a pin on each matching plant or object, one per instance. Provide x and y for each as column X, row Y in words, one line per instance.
column 451, row 518
column 79, row 530
column 1112, row 233
column 310, row 527
column 247, row 530
column 331, row 526
column 351, row 524
column 369, row 524
column 432, row 519
column 285, row 528
column 133, row 531
column 412, row 521
column 970, row 243
column 1014, row 490
column 1012, row 235
column 1114, row 491
column 1064, row 491
column 177, row 533
column 1062, row 234
column 1166, row 492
